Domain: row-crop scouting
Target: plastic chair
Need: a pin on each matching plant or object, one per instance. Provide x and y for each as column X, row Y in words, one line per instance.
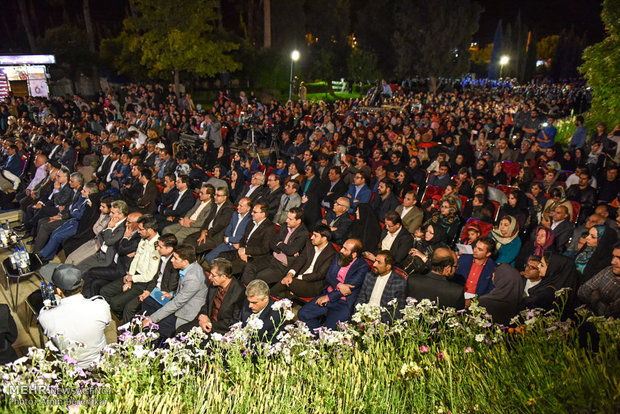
column 506, row 189
column 576, row 209
column 485, row 228
column 511, row 169
column 432, row 191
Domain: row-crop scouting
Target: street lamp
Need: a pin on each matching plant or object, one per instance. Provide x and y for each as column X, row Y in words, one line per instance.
column 294, row 58
column 502, row 61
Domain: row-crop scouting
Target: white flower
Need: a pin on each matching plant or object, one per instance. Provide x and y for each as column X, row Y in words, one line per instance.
column 50, row 345
column 216, row 336
column 289, row 315
column 479, row 337
column 282, row 304
column 124, row 327
column 139, row 351
column 254, row 323
column 393, row 302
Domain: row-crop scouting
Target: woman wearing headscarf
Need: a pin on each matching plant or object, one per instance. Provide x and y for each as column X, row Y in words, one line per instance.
column 557, row 272
column 506, row 235
column 540, row 242
column 558, row 198
column 481, row 169
column 366, row 228
column 503, row 302
column 418, row 261
column 516, row 207
column 236, row 185
column 525, row 178
column 595, row 255
column 448, row 216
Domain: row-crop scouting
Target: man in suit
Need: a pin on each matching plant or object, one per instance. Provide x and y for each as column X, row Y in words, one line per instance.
column 150, row 155
column 234, row 231
column 382, row 286
column 333, row 187
column 289, row 199
column 395, row 239
column 188, row 299
column 344, row 281
column 289, row 241
column 259, row 304
column 195, row 217
column 75, row 208
column 475, row 271
column 214, row 227
column 42, row 189
column 179, row 206
column 12, row 168
column 93, row 221
column 224, row 301
column 256, row 240
column 358, row 192
column 561, row 227
column 67, row 158
column 438, row 285
column 338, row 220
column 135, row 266
column 310, row 192
column 166, row 279
column 106, row 161
column 255, row 191
column 147, row 201
column 274, row 195
column 384, row 200
column 60, row 195
column 410, row 215
column 107, row 239
column 306, row 275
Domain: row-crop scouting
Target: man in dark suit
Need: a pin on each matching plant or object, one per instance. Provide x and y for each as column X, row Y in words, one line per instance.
column 255, row 191
column 289, row 241
column 67, row 158
column 475, row 271
column 258, row 302
column 333, row 187
column 382, row 286
column 147, row 201
column 166, row 280
column 224, row 301
column 274, row 195
column 104, row 164
column 561, row 227
column 60, row 195
column 178, row 207
column 395, row 239
column 234, row 231
column 338, row 220
column 306, row 276
column 384, row 200
column 214, row 227
column 255, row 241
column 358, row 192
column 344, row 281
column 310, row 192
column 438, row 285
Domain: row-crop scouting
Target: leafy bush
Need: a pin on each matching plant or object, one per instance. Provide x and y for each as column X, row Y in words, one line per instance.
column 431, row 360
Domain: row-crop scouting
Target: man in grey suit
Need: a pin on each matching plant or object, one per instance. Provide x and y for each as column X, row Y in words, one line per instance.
column 108, row 238
column 195, row 218
column 290, row 199
column 191, row 294
column 410, row 215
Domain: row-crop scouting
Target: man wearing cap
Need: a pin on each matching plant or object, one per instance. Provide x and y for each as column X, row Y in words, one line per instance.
column 75, row 319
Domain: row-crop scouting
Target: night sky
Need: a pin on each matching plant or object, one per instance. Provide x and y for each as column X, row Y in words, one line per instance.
column 546, row 17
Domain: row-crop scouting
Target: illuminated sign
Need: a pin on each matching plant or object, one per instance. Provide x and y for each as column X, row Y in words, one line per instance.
column 27, row 60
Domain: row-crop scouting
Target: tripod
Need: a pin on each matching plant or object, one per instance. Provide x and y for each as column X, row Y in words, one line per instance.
column 252, row 145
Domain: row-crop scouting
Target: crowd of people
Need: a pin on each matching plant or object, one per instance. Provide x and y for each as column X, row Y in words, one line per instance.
column 451, row 197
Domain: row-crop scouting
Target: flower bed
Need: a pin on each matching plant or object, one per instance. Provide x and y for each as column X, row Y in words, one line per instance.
column 431, row 360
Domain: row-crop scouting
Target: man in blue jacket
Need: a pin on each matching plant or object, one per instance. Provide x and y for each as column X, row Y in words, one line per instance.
column 344, row 281
column 12, row 168
column 235, row 230
column 475, row 271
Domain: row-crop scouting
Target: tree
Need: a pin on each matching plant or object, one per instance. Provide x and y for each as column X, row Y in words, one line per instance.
column 362, row 66
column 88, row 22
column 546, row 47
column 70, row 46
column 26, row 22
column 373, row 29
column 496, row 53
column 602, row 71
column 170, row 37
column 432, row 37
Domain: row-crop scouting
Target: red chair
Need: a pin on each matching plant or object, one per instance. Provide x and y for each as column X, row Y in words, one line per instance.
column 336, row 247
column 511, row 169
column 269, row 171
column 485, row 228
column 160, row 188
column 432, row 191
column 506, row 189
column 382, row 225
column 224, row 133
column 323, row 211
column 415, row 188
column 400, row 272
column 576, row 208
column 496, row 206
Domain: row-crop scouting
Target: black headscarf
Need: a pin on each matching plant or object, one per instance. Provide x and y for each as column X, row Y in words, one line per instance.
column 367, row 228
column 440, row 237
column 601, row 258
column 561, row 273
column 502, row 303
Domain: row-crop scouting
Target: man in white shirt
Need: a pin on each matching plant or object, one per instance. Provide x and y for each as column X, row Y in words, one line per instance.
column 75, row 319
column 382, row 287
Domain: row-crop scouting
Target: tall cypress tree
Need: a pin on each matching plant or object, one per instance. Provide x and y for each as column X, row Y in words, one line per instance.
column 496, row 53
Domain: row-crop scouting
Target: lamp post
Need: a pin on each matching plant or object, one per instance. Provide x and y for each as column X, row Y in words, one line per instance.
column 502, row 61
column 294, row 58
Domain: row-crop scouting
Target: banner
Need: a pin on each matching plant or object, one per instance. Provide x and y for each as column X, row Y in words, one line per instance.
column 4, row 85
